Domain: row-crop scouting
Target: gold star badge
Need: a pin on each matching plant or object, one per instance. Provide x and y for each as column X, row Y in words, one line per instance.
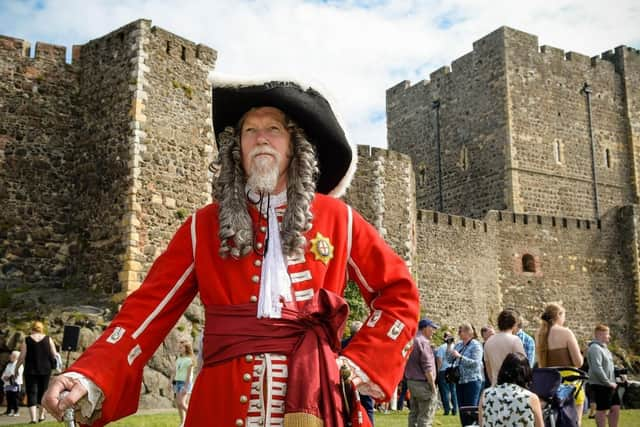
column 322, row 248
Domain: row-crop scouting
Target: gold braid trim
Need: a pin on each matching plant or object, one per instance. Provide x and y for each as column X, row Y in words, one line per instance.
column 302, row 419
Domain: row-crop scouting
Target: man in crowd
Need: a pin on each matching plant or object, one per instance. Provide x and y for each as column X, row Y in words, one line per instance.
column 528, row 343
column 270, row 260
column 421, row 377
column 447, row 390
column 602, row 378
column 501, row 344
column 486, row 332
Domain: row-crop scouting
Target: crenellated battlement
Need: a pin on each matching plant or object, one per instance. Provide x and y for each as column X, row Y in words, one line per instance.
column 369, row 152
column 517, row 43
column 14, row 46
column 21, row 50
column 181, row 49
column 428, row 217
column 425, row 216
column 508, row 217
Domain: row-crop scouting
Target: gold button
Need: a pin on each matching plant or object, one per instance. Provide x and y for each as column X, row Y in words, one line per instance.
column 249, row 357
column 246, row 378
column 258, row 405
column 263, row 228
column 255, row 278
column 257, row 262
column 253, row 298
column 261, row 421
column 239, row 422
column 243, row 399
column 258, row 371
column 259, row 245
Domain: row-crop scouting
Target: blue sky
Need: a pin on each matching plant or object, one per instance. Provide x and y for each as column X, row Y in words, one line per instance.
column 355, row 48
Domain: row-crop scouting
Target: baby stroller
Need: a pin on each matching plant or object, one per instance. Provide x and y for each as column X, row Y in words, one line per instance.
column 558, row 393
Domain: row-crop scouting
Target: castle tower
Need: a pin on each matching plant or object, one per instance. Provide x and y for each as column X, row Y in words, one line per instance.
column 524, row 128
column 383, row 192
column 109, row 154
column 148, row 139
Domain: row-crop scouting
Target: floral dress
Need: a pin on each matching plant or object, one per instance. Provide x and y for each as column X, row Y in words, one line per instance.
column 507, row 405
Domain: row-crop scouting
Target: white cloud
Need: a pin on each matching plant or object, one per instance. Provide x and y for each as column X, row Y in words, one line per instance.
column 356, row 48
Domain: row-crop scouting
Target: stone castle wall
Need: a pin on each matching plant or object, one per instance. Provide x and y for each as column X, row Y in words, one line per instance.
column 101, row 159
column 383, row 193
column 550, row 129
column 469, row 270
column 456, row 269
column 171, row 145
column 577, row 262
column 37, row 137
column 514, row 129
column 470, row 121
column 103, row 155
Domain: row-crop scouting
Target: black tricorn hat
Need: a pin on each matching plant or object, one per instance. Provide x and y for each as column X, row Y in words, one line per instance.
column 233, row 97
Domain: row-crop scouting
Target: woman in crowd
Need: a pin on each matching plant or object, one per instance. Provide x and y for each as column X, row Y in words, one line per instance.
column 556, row 346
column 12, row 379
column 183, row 378
column 38, row 354
column 467, row 354
column 510, row 403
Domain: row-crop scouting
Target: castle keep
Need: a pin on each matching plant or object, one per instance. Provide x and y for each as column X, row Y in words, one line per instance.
column 511, row 178
column 535, row 151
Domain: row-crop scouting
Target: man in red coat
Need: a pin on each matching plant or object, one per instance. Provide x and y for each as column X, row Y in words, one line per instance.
column 270, row 260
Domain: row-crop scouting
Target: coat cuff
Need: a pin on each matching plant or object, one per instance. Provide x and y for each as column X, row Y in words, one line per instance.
column 93, row 400
column 360, row 379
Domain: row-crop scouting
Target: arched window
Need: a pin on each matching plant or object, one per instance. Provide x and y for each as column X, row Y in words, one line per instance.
column 528, row 263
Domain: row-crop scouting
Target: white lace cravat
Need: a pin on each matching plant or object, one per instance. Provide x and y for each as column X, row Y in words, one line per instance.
column 275, row 283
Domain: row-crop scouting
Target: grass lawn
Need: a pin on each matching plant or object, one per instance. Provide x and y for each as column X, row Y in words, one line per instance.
column 629, row 418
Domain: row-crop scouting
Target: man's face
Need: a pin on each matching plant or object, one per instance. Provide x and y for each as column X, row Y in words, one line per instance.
column 428, row 332
column 265, row 144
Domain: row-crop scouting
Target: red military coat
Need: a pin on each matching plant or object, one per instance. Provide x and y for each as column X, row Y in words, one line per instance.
column 342, row 245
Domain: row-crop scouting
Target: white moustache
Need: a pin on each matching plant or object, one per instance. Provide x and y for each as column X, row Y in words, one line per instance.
column 264, row 150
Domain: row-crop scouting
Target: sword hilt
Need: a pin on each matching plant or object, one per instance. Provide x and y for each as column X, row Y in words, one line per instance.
column 69, row 413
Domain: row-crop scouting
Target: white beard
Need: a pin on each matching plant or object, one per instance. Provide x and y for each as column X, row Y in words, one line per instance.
column 264, row 170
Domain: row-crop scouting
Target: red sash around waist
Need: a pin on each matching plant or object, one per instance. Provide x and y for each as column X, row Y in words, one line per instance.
column 310, row 338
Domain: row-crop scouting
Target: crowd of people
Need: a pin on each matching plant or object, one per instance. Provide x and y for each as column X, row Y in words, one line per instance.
column 488, row 381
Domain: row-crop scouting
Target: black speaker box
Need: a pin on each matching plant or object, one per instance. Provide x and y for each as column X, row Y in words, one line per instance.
column 70, row 338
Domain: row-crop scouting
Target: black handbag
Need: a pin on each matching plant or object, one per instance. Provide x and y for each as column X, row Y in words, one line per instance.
column 452, row 374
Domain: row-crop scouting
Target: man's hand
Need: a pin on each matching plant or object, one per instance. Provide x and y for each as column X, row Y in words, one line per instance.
column 51, row 399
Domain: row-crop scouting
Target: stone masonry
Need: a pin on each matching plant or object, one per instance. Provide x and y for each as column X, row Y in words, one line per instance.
column 507, row 128
column 101, row 159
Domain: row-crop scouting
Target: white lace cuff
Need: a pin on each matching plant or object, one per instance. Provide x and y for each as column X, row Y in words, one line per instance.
column 93, row 400
column 361, row 380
